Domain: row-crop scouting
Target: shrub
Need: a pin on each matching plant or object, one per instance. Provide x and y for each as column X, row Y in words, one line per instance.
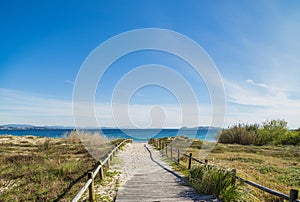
column 290, row 138
column 271, row 132
column 239, row 134
column 214, row 180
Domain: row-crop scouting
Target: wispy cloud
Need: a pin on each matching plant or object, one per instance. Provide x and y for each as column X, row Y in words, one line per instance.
column 140, row 94
column 21, row 107
column 154, row 116
column 263, row 85
column 277, row 59
column 69, row 82
column 248, row 101
column 255, row 102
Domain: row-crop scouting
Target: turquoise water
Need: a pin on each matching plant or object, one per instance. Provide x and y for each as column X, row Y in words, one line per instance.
column 136, row 134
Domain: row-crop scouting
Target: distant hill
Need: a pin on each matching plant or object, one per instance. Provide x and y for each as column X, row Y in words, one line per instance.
column 200, row 127
column 30, row 127
column 16, row 125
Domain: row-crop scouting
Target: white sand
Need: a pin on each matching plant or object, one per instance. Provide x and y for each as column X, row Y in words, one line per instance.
column 134, row 159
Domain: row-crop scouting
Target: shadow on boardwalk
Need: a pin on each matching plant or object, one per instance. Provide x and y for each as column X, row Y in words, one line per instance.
column 155, row 180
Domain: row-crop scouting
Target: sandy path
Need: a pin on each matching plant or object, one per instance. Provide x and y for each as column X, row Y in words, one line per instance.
column 135, row 159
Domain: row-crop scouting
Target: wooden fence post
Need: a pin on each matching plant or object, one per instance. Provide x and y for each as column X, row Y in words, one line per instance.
column 101, row 173
column 234, row 176
column 293, row 195
column 171, row 150
column 91, row 188
column 190, row 161
column 111, row 156
column 178, row 156
column 108, row 162
column 166, row 150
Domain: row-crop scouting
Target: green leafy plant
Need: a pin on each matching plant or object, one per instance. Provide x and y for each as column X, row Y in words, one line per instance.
column 272, row 131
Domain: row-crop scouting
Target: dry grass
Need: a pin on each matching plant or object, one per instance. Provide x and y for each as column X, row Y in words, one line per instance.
column 43, row 169
column 95, row 143
column 275, row 167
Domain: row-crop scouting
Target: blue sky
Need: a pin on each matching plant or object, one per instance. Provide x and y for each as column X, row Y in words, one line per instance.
column 254, row 44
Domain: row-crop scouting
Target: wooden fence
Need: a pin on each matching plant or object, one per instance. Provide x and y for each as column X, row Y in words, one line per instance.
column 91, row 175
column 169, row 152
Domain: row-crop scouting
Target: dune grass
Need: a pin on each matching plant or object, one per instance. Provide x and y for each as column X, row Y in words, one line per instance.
column 276, row 167
column 271, row 166
column 43, row 169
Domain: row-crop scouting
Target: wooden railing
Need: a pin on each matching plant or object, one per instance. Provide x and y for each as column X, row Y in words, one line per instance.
column 91, row 175
column 169, row 152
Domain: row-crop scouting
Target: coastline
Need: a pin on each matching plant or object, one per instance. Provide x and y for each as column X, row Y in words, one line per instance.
column 138, row 135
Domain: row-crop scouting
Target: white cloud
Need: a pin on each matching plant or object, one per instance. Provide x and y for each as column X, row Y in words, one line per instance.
column 256, row 102
column 69, row 82
column 270, row 59
column 268, row 51
column 276, row 59
column 153, row 116
column 248, row 101
column 21, row 107
column 263, row 85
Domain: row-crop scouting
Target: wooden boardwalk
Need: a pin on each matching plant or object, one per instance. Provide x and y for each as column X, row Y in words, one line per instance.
column 156, row 181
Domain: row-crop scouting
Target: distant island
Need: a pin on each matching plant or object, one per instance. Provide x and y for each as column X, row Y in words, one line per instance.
column 31, row 127
column 200, row 127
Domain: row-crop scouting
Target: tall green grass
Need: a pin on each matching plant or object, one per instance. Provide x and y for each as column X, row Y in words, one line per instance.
column 214, row 180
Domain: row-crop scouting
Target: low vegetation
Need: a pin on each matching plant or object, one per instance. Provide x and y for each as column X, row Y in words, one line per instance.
column 43, row 169
column 214, row 180
column 273, row 166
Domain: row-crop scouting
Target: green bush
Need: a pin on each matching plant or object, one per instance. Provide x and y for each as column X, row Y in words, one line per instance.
column 214, row 180
column 239, row 134
column 290, row 138
column 274, row 132
column 271, row 132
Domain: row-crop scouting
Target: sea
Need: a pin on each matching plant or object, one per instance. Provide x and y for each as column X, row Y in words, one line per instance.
column 138, row 135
